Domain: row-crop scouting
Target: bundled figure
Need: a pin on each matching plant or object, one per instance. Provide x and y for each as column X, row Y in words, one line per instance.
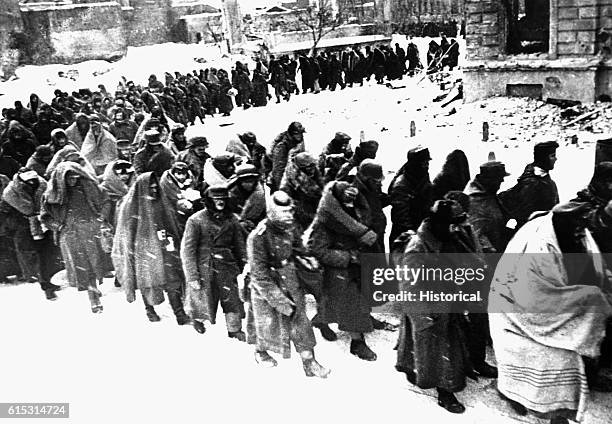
column 19, row 212
column 284, row 147
column 178, row 187
column 213, row 254
column 336, row 237
column 99, row 146
column 303, row 183
column 247, row 197
column 72, row 206
column 145, row 249
column 195, row 157
column 278, row 302
column 334, row 155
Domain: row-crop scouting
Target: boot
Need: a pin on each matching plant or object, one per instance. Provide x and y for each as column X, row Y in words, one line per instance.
column 361, row 350
column 177, row 307
column 151, row 314
column 51, row 286
column 448, row 401
column 199, row 326
column 117, row 283
column 94, row 298
column 381, row 325
column 313, row 369
column 50, row 294
column 238, row 335
column 485, row 370
column 327, row 333
column 263, row 358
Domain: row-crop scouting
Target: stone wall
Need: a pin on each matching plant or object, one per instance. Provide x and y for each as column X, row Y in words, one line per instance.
column 147, row 22
column 483, row 29
column 74, row 33
column 11, row 36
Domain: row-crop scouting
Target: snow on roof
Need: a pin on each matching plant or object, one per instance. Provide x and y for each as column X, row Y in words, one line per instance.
column 331, row 42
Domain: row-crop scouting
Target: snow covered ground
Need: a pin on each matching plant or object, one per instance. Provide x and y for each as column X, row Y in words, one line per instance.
column 118, row 367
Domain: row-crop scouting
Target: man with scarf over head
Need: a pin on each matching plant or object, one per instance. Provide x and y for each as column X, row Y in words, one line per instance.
column 279, row 306
column 339, row 232
column 177, row 141
column 19, row 143
column 257, row 154
column 40, row 160
column 72, row 206
column 154, row 156
column 122, row 126
column 247, row 197
column 213, row 254
column 365, row 150
column 99, row 146
column 534, row 190
column 432, row 348
column 284, row 147
column 178, row 187
column 145, row 249
column 219, row 170
column 411, row 193
column 77, row 131
column 551, row 301
column 454, row 176
column 596, row 196
column 303, row 183
column 195, row 157
column 20, row 213
column 334, row 155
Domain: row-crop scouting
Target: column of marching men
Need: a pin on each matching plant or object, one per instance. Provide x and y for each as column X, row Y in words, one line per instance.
column 170, row 221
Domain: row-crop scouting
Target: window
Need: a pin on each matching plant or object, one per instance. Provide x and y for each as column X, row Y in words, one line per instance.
column 528, row 26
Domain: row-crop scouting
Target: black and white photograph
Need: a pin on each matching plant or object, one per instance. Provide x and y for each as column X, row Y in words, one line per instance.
column 306, row 211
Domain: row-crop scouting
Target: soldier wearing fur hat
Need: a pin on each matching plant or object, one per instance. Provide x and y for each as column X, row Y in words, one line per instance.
column 337, row 152
column 284, row 147
column 535, row 190
column 154, row 156
column 411, row 193
column 247, row 197
column 365, row 150
column 213, row 254
column 178, row 187
column 278, row 302
column 195, row 157
column 303, row 183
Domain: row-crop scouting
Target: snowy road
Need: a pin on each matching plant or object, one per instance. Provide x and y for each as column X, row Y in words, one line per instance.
column 118, row 367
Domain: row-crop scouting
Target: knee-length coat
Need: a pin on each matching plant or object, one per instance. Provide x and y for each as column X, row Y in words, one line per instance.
column 274, row 281
column 213, row 252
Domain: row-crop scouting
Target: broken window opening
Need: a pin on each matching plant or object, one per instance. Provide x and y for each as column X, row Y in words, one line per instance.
column 528, row 26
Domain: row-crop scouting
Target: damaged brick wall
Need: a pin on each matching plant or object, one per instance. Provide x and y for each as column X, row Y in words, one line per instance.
column 11, row 37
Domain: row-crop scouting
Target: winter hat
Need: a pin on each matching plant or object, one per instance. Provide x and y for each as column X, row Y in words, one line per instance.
column 343, row 137
column 177, row 127
column 152, row 137
column 493, row 170
column 280, row 209
column 544, row 149
column 246, row 171
column 369, row 169
column 296, row 128
column 123, row 143
column 153, row 123
column 459, row 197
column 217, row 192
column 123, row 167
column 304, row 160
column 197, row 141
column 418, row 154
column 248, row 137
column 222, row 161
column 447, row 212
column 58, row 132
column 368, row 148
column 180, row 168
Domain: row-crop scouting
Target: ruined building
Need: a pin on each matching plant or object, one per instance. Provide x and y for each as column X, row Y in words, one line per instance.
column 538, row 48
